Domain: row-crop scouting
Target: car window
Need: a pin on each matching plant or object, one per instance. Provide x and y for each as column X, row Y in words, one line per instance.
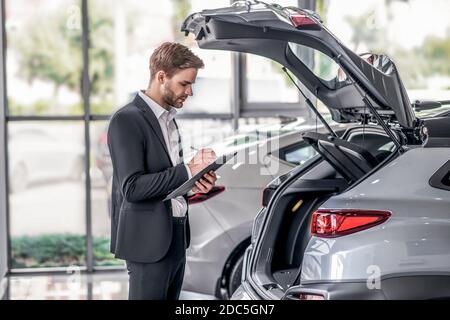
column 320, row 64
column 390, row 146
column 441, row 178
column 446, row 180
column 299, row 154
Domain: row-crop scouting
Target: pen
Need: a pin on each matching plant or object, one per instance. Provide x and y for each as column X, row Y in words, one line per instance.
column 195, row 149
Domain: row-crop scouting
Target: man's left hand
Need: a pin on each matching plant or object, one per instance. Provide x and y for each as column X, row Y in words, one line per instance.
column 206, row 183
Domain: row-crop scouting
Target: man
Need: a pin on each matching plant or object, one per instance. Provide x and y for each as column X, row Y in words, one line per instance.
column 144, row 142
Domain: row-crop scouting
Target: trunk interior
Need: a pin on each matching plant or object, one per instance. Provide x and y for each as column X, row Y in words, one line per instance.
column 290, row 214
column 302, row 198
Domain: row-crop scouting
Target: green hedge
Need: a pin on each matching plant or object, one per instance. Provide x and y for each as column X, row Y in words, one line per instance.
column 58, row 250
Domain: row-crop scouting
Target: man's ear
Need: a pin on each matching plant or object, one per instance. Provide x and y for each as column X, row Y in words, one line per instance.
column 161, row 76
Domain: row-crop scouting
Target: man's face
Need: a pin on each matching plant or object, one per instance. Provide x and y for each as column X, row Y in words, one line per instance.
column 178, row 88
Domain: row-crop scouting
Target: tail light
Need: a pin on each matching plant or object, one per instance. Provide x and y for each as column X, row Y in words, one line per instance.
column 310, row 296
column 296, row 293
column 200, row 197
column 336, row 223
column 302, row 21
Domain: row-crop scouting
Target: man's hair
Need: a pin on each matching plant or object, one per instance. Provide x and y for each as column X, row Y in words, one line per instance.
column 171, row 57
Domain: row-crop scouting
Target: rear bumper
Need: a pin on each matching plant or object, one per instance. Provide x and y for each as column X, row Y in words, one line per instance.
column 395, row 287
column 392, row 287
column 244, row 292
column 398, row 287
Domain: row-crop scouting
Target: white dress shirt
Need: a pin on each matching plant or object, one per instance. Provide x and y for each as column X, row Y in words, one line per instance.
column 171, row 137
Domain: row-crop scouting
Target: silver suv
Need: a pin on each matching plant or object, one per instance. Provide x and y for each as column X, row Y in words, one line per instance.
column 368, row 217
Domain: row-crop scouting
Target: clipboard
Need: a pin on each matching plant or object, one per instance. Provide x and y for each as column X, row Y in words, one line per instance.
column 188, row 185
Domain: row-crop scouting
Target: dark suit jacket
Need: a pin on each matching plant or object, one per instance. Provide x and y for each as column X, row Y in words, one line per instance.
column 143, row 174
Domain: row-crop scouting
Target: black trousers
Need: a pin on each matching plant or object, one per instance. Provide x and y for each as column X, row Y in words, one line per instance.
column 161, row 280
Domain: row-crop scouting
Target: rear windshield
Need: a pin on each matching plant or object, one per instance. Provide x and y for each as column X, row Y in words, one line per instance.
column 321, row 65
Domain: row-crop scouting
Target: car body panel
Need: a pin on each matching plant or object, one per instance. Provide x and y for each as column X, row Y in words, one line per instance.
column 414, row 239
column 204, row 257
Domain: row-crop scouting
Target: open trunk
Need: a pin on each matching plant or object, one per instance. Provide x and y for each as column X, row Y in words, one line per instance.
column 296, row 38
column 298, row 202
column 278, row 264
column 355, row 89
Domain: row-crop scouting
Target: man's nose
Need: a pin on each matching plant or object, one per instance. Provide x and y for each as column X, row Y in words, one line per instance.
column 189, row 91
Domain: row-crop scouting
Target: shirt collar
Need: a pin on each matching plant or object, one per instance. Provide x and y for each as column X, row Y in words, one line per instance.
column 157, row 109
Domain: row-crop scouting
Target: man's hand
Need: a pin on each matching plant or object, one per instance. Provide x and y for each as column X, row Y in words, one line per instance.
column 205, row 184
column 201, row 160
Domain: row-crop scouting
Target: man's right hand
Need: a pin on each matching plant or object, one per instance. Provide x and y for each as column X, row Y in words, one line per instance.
column 201, row 160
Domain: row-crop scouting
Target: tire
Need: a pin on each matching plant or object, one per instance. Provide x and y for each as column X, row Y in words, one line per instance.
column 234, row 280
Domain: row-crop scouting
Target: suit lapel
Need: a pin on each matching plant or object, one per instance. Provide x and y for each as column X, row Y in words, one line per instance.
column 153, row 121
column 180, row 146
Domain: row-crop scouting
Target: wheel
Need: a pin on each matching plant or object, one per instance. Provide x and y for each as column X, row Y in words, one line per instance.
column 234, row 280
column 19, row 178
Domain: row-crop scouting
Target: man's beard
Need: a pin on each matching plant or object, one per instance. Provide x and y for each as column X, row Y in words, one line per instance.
column 171, row 99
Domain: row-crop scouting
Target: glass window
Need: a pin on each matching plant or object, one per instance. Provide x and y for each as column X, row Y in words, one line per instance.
column 123, row 37
column 44, row 57
column 299, row 154
column 200, row 133
column 47, row 194
column 101, row 184
column 318, row 63
column 266, row 81
column 212, row 89
column 412, row 33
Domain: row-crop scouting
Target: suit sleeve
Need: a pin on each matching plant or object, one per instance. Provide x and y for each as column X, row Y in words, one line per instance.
column 127, row 148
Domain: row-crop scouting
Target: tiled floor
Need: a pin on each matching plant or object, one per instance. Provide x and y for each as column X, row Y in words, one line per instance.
column 99, row 286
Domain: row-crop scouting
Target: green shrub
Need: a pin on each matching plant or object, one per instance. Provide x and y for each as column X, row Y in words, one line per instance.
column 58, row 250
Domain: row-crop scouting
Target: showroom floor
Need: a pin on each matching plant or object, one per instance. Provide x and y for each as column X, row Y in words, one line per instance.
column 99, row 286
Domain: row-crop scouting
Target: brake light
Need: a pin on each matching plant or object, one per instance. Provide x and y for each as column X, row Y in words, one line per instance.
column 335, row 223
column 301, row 21
column 200, row 197
column 309, row 296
